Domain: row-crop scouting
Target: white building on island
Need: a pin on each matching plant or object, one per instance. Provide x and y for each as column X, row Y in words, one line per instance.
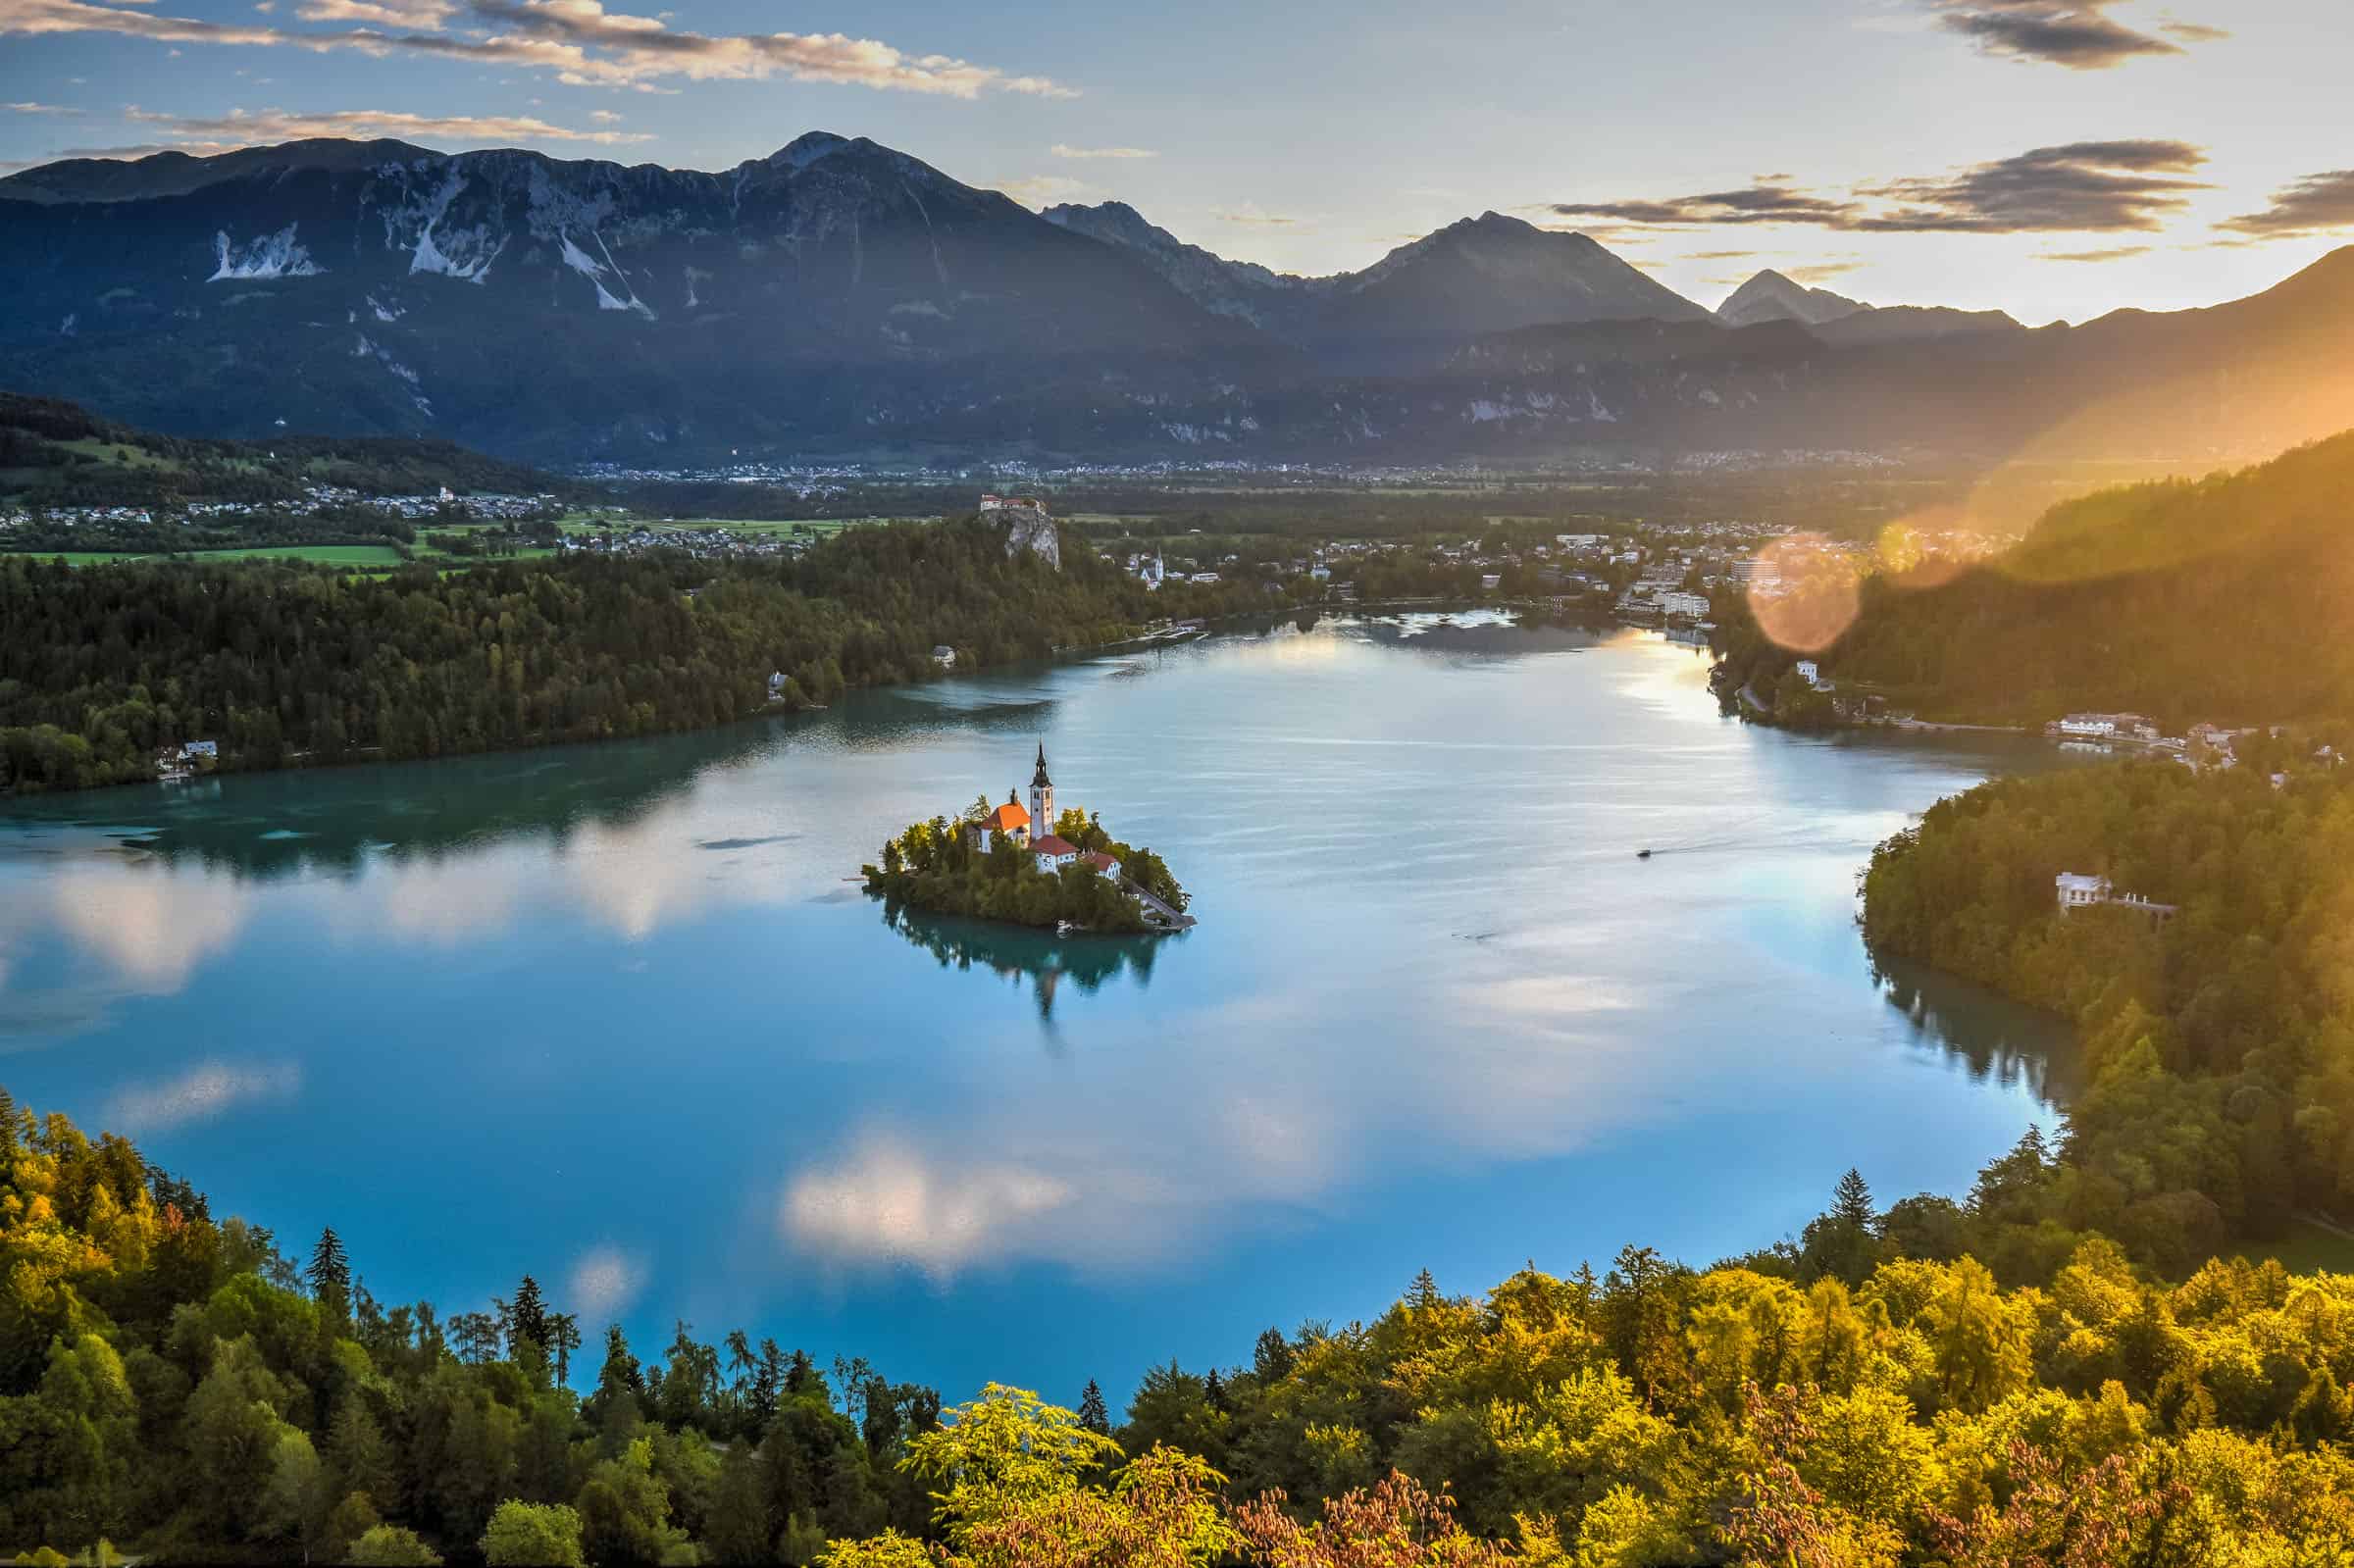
column 1031, row 828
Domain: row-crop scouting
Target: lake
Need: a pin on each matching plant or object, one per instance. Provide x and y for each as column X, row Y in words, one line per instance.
column 618, row 1016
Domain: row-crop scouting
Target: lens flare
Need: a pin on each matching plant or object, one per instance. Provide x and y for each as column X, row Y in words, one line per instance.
column 1805, row 591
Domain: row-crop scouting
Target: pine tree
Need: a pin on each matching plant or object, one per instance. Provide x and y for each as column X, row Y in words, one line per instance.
column 527, row 1319
column 329, row 1275
column 1093, row 1415
column 1852, row 1200
column 563, row 1337
column 1424, row 1294
column 1214, row 1390
column 767, row 1382
column 1273, row 1357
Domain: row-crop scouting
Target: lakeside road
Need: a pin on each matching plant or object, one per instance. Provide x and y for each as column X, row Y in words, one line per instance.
column 1966, row 729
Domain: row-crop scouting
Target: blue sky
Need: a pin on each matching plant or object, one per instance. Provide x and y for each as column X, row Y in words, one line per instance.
column 2053, row 158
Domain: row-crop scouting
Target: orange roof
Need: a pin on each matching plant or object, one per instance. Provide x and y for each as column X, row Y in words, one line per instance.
column 1052, row 845
column 1006, row 817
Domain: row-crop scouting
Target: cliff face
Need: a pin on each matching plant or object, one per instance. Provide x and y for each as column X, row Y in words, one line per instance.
column 1033, row 531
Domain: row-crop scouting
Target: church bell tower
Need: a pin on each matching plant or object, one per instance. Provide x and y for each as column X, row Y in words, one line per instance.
column 1042, row 797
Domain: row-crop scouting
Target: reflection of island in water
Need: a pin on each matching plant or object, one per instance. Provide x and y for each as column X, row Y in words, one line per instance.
column 1986, row 1032
column 1019, row 952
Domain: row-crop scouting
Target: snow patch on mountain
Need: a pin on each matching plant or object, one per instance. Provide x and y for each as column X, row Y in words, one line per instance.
column 589, row 267
column 271, row 256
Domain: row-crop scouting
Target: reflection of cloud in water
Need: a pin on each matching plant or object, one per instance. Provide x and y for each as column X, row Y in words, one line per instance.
column 888, row 1199
column 439, row 902
column 1515, row 1068
column 152, row 926
column 199, row 1094
column 605, row 1280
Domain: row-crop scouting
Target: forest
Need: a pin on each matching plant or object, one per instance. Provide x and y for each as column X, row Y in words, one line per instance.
column 936, row 867
column 2219, row 1044
column 1866, row 1396
column 282, row 664
column 2220, row 599
column 56, row 453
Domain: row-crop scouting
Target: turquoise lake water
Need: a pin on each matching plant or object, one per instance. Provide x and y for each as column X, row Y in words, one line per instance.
column 618, row 1016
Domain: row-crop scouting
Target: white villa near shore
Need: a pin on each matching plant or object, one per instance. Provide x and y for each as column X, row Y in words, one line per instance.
column 2075, row 892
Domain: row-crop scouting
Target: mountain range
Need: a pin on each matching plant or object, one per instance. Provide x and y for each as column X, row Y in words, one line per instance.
column 843, row 299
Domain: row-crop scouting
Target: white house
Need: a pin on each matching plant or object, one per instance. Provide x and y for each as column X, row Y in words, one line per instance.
column 202, row 749
column 2079, row 892
column 2101, row 725
column 1810, row 672
column 1101, row 864
column 945, row 656
column 1053, row 852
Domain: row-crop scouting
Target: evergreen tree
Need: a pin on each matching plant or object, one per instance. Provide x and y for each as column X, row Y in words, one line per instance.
column 1271, row 1358
column 563, row 1337
column 768, row 1381
column 527, row 1319
column 1851, row 1201
column 1094, row 1414
column 329, row 1275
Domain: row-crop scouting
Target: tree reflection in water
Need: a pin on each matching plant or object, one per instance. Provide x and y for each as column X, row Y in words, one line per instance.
column 1017, row 953
column 1987, row 1033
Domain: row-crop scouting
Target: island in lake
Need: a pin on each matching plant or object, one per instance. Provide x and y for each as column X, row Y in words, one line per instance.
column 1029, row 866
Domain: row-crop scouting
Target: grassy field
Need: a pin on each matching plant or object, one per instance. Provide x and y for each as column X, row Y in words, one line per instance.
column 383, row 558
column 2308, row 1249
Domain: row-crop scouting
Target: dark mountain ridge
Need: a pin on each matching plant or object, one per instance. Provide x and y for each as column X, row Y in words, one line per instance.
column 842, row 299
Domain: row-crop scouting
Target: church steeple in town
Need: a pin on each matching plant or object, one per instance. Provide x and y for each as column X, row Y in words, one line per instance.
column 1042, row 797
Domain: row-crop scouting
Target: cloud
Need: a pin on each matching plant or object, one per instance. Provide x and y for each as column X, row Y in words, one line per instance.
column 37, row 109
column 2085, row 187
column 427, row 14
column 604, row 1282
column 1771, row 200
column 2076, row 33
column 2107, row 254
column 1044, row 190
column 2088, row 187
column 1249, row 216
column 152, row 928
column 1717, row 255
column 241, row 128
column 1060, row 150
column 2312, row 204
column 33, row 18
column 1822, row 272
column 889, row 1201
column 199, row 1094
column 581, row 42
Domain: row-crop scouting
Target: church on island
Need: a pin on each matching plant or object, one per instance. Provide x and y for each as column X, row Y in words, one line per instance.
column 1031, row 828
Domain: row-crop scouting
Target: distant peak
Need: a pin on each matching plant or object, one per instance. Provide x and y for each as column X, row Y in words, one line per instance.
column 803, row 151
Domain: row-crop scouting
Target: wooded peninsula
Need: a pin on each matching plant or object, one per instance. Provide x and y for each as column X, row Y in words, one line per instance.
column 278, row 665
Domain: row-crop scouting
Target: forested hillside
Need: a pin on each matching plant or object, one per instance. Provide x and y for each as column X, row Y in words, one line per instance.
column 2219, row 1044
column 279, row 664
column 56, row 453
column 1866, row 1398
column 2224, row 599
